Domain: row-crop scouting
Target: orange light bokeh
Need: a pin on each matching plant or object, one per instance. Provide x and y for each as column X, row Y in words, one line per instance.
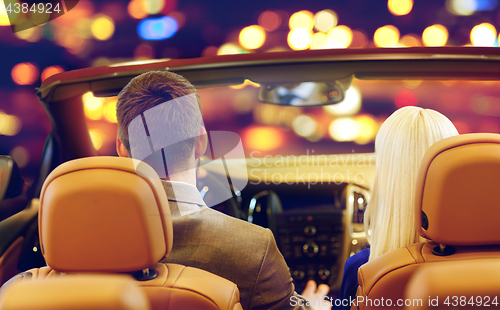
column 263, row 138
column 302, row 19
column 50, row 71
column 386, row 36
column 435, row 35
column 24, row 73
column 269, row 20
column 252, row 37
column 400, row 7
column 136, row 9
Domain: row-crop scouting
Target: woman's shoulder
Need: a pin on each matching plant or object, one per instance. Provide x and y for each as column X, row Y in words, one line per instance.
column 358, row 259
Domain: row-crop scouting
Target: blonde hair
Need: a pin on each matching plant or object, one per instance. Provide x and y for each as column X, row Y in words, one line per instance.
column 400, row 145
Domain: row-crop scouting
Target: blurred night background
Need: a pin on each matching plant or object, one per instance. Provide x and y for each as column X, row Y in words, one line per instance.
column 96, row 33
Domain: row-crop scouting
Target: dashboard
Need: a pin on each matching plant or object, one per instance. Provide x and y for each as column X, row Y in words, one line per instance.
column 316, row 227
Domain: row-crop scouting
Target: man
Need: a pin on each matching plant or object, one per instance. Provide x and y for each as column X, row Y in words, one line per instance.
column 159, row 122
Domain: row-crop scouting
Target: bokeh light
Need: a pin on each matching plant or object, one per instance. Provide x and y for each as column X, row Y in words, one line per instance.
column 304, row 125
column 400, row 7
column 320, row 41
column 299, row 39
column 302, row 19
column 349, row 106
column 169, row 7
column 344, row 129
column 435, row 35
column 96, row 136
column 110, row 109
column 153, row 6
column 340, row 37
column 269, row 20
column 21, row 155
column 368, row 127
column 84, row 9
column 103, row 27
column 84, row 28
column 10, row 125
column 359, row 39
column 25, row 73
column 405, row 98
column 93, row 106
column 136, row 9
column 410, row 40
column 263, row 138
column 252, row 37
column 144, row 51
column 155, row 29
column 229, row 49
column 461, row 7
column 325, row 20
column 486, row 5
column 50, row 71
column 179, row 17
column 69, row 38
column 31, row 34
column 386, row 36
column 483, row 35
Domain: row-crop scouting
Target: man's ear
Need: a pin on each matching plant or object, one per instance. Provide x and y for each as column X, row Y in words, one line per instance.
column 121, row 150
column 201, row 143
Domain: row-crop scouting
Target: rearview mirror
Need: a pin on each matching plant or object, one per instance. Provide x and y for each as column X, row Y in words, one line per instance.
column 305, row 94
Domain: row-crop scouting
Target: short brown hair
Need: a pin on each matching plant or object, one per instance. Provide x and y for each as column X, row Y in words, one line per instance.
column 151, row 89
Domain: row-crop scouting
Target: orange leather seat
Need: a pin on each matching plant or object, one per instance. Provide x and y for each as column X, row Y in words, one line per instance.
column 111, row 215
column 456, row 195
column 82, row 292
column 464, row 284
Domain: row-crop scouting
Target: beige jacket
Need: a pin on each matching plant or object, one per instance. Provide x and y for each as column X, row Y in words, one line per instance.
column 241, row 252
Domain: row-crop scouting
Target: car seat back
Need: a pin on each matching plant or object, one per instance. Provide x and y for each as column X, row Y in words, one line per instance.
column 466, row 283
column 111, row 215
column 455, row 195
column 82, row 292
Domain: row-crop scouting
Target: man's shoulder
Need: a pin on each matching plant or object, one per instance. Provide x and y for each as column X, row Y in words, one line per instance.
column 213, row 220
column 219, row 217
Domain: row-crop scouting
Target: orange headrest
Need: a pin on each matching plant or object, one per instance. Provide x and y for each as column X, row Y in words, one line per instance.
column 456, row 190
column 104, row 214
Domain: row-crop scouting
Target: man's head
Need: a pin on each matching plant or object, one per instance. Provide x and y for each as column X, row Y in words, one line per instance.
column 179, row 120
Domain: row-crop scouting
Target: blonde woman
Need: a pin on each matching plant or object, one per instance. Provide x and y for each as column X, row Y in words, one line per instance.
column 390, row 217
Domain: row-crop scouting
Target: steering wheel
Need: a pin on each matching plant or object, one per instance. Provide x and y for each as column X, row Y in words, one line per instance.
column 212, row 187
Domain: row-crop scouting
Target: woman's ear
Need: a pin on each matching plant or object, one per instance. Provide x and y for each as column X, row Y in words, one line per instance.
column 121, row 150
column 201, row 143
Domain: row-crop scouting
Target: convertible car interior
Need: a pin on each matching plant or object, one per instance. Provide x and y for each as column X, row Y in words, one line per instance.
column 312, row 202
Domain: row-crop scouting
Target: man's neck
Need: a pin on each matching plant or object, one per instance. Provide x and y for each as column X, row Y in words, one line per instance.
column 188, row 176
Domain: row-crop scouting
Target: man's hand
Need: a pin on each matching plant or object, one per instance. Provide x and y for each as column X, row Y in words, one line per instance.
column 314, row 292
